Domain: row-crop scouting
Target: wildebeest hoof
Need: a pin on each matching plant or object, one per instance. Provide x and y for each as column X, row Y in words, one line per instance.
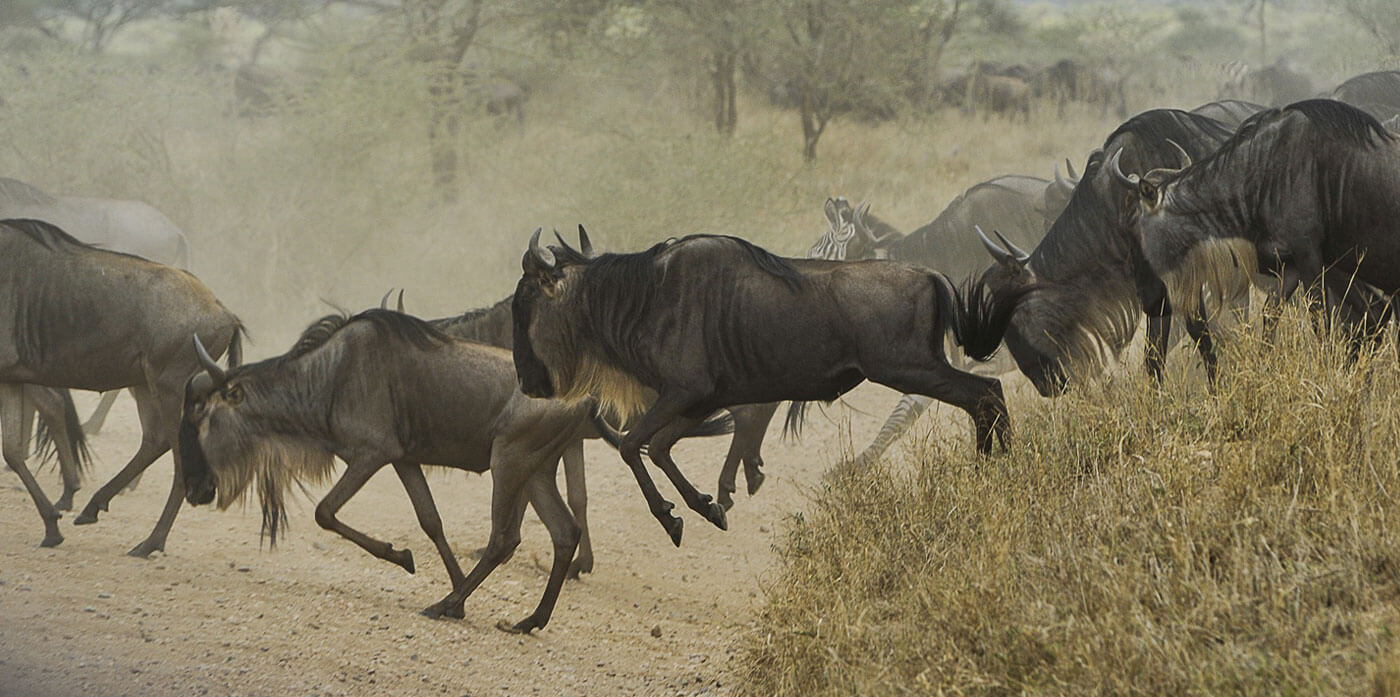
column 402, row 557
column 64, row 503
column 87, row 517
column 580, row 566
column 524, row 626
column 143, row 550
column 754, row 480
column 444, row 608
column 674, row 528
column 716, row 516
column 726, row 500
column 52, row 540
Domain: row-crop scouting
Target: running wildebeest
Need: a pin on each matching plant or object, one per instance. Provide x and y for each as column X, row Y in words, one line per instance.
column 1309, row 193
column 1092, row 284
column 376, row 389
column 709, row 322
column 133, row 227
column 1230, row 112
column 84, row 318
column 1020, row 207
column 1377, row 94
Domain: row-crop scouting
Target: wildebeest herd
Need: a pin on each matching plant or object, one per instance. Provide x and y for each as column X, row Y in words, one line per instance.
column 1178, row 212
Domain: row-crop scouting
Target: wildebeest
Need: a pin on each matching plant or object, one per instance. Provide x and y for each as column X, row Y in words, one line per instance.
column 79, row 317
column 492, row 326
column 1309, row 193
column 376, row 389
column 1091, row 281
column 1068, row 80
column 1277, row 84
column 1020, row 207
column 506, row 98
column 709, row 322
column 133, row 227
column 1230, row 112
column 1377, row 94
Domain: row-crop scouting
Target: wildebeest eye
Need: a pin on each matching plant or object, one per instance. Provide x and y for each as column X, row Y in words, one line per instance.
column 234, row 394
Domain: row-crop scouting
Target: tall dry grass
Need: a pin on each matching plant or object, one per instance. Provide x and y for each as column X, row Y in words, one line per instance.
column 1134, row 540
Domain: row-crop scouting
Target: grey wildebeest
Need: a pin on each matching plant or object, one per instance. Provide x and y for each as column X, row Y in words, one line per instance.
column 1229, row 112
column 376, row 389
column 1309, row 193
column 117, row 225
column 79, row 317
column 1020, row 207
column 1377, row 94
column 1092, row 283
column 708, row 322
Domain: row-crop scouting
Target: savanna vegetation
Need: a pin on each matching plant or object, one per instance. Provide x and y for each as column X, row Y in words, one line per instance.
column 1135, row 540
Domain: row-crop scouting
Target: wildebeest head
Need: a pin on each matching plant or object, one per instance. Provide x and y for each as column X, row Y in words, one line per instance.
column 554, row 320
column 852, row 233
column 228, row 438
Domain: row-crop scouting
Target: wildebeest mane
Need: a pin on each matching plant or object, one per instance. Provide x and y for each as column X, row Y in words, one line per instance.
column 19, row 193
column 1343, row 121
column 390, row 324
column 475, row 325
column 47, row 234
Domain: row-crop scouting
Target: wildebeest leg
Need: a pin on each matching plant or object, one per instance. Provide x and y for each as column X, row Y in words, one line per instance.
column 563, row 533
column 15, row 431
column 170, row 418
column 1288, row 282
column 575, row 483
column 1159, row 329
column 904, row 415
column 750, row 426
column 659, row 447
column 1199, row 330
column 510, row 473
column 99, row 415
column 49, row 403
column 411, row 476
column 660, row 413
column 979, row 396
column 356, row 474
column 153, row 445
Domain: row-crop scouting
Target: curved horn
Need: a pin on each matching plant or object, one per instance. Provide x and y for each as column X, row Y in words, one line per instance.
column 1117, row 170
column 1185, row 158
column 400, row 303
column 384, row 301
column 1019, row 253
column 1069, row 166
column 566, row 245
column 585, row 245
column 542, row 255
column 858, row 217
column 1001, row 255
column 1061, row 181
column 208, row 362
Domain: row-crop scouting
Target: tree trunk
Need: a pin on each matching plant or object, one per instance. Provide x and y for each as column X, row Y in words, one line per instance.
column 444, row 124
column 813, row 123
column 726, row 94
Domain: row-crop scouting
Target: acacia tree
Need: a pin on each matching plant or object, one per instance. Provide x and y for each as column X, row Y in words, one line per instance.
column 834, row 55
column 103, row 18
column 1380, row 18
column 723, row 31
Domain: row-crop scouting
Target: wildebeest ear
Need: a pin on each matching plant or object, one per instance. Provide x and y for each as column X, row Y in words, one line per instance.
column 1151, row 193
column 832, row 216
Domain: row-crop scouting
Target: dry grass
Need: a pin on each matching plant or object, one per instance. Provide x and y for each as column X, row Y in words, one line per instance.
column 1134, row 541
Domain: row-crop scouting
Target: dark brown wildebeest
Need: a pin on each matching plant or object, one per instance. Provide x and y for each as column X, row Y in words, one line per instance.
column 1020, row 207
column 1068, row 80
column 1229, row 112
column 376, row 389
column 708, row 322
column 1092, row 283
column 1309, row 193
column 85, row 318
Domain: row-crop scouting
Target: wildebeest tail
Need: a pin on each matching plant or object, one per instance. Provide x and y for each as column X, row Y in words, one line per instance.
column 977, row 315
column 716, row 425
column 796, row 418
column 46, row 445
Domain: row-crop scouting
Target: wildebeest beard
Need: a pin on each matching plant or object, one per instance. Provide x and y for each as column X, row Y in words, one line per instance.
column 277, row 463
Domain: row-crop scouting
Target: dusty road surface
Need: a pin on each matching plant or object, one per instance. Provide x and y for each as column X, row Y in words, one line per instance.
column 219, row 615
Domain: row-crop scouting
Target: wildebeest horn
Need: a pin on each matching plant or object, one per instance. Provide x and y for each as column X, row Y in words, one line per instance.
column 208, row 362
column 1019, row 253
column 1185, row 158
column 1061, row 181
column 1117, row 170
column 1069, row 166
column 544, row 256
column 585, row 245
column 399, row 304
column 562, row 243
column 1001, row 255
column 384, row 301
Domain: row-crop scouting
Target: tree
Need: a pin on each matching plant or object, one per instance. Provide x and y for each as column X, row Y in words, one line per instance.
column 104, row 18
column 724, row 30
column 1380, row 18
column 838, row 56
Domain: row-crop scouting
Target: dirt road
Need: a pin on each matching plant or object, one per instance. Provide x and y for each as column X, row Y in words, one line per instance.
column 218, row 615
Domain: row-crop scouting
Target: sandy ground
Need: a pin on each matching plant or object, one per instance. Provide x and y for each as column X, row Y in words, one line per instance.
column 218, row 614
